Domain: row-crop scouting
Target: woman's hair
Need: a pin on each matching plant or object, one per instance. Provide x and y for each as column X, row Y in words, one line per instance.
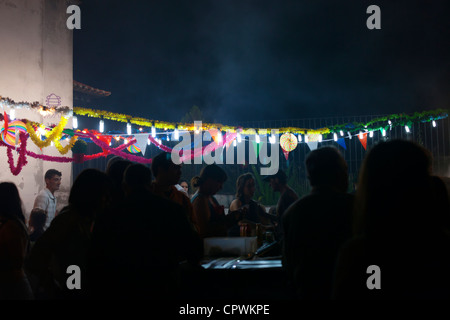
column 161, row 161
column 326, row 167
column 137, row 176
column 211, row 171
column 38, row 217
column 182, row 180
column 394, row 188
column 88, row 191
column 240, row 184
column 116, row 169
column 11, row 204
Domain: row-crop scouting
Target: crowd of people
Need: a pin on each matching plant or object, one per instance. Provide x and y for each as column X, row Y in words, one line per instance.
column 132, row 229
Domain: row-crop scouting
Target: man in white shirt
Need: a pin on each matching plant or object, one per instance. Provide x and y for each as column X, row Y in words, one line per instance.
column 46, row 199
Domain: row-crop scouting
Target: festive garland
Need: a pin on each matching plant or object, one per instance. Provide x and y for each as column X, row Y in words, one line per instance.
column 105, row 147
column 36, row 106
column 54, row 135
column 104, row 153
column 22, row 161
column 69, row 146
column 374, row 124
column 23, row 151
column 383, row 122
column 142, row 121
column 159, row 145
column 96, row 138
column 197, row 151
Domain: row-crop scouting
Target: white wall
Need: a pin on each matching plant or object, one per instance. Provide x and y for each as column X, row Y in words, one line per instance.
column 35, row 61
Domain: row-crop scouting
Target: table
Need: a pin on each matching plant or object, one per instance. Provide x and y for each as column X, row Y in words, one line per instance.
column 243, row 263
column 238, row 278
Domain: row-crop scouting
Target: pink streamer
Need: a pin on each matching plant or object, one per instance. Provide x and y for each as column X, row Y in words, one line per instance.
column 117, row 151
column 124, row 155
column 67, row 159
column 229, row 137
column 159, row 145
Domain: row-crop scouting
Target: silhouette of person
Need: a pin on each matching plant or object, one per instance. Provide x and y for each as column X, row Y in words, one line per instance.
column 209, row 216
column 249, row 210
column 446, row 181
column 67, row 241
column 14, row 244
column 443, row 198
column 401, row 243
column 36, row 223
column 278, row 183
column 317, row 225
column 115, row 169
column 167, row 174
column 141, row 259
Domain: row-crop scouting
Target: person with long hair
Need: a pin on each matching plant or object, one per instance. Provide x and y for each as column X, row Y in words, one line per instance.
column 14, row 245
column 209, row 216
column 184, row 187
column 401, row 243
column 36, row 224
column 250, row 211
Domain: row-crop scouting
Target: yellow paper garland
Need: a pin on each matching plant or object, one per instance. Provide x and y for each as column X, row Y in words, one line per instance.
column 64, row 150
column 182, row 126
column 54, row 135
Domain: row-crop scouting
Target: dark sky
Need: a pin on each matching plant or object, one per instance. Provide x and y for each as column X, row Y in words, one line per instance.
column 241, row 60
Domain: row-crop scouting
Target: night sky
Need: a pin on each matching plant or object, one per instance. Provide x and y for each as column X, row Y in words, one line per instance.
column 241, row 60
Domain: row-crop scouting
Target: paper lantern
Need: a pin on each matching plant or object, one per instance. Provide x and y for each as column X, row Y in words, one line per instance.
column 288, row 142
column 134, row 148
column 9, row 136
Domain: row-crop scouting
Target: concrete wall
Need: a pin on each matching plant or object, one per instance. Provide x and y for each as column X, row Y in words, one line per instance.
column 36, row 50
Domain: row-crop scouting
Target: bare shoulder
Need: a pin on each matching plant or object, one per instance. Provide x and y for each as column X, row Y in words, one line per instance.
column 235, row 204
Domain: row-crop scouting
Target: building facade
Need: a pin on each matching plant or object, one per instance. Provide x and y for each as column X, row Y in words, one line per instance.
column 36, row 63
